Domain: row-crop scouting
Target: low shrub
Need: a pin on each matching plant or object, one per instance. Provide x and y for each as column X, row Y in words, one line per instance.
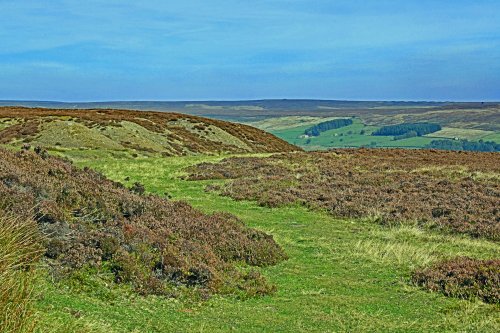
column 434, row 189
column 463, row 278
column 146, row 241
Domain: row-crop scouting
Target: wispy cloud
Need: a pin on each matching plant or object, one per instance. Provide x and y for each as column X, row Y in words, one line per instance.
column 261, row 48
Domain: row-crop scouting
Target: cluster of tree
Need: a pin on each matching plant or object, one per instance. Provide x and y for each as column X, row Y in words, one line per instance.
column 480, row 145
column 407, row 135
column 327, row 125
column 402, row 129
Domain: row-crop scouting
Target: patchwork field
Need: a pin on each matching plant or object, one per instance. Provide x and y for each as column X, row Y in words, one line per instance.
column 355, row 135
column 359, row 134
column 465, row 133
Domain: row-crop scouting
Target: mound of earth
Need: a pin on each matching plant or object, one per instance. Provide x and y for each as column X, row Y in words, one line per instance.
column 91, row 223
column 170, row 134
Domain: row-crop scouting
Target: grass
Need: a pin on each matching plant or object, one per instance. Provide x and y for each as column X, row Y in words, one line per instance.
column 4, row 123
column 283, row 123
column 291, row 128
column 342, row 275
column 348, row 136
column 19, row 251
column 465, row 134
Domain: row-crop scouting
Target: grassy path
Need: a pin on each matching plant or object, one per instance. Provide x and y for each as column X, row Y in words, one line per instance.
column 342, row 276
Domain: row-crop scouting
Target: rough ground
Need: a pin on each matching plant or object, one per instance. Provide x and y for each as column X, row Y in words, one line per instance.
column 139, row 132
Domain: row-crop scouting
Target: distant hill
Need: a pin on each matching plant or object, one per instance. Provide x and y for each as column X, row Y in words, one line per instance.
column 472, row 115
column 170, row 134
column 228, row 106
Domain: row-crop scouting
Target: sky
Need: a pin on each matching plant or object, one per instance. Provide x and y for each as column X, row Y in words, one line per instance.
column 65, row 50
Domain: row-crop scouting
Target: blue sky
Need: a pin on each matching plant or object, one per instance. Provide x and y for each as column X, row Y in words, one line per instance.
column 192, row 50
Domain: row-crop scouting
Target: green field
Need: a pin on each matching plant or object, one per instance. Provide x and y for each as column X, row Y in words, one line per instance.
column 349, row 136
column 342, row 275
column 465, row 133
column 358, row 134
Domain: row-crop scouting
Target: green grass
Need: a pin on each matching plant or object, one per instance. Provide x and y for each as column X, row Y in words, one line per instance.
column 492, row 137
column 291, row 128
column 283, row 123
column 6, row 122
column 342, row 275
column 349, row 136
column 465, row 134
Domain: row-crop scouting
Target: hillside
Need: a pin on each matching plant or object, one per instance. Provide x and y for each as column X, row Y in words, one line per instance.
column 138, row 132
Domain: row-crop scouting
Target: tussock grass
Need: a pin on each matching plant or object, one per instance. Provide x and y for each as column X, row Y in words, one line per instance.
column 459, row 172
column 402, row 246
column 19, row 250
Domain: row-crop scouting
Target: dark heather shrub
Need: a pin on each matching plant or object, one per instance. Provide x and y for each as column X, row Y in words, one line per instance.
column 450, row 191
column 463, row 278
column 150, row 242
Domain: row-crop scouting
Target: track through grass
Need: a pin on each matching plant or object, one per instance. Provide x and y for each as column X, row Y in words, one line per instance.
column 342, row 275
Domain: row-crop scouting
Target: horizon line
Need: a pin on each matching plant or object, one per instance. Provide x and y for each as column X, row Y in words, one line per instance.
column 249, row 100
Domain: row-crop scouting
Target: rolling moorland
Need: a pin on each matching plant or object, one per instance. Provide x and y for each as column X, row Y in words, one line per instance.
column 157, row 222
column 462, row 123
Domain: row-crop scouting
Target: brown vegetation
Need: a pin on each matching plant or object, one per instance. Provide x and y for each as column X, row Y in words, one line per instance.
column 464, row 278
column 452, row 191
column 170, row 125
column 20, row 249
column 144, row 240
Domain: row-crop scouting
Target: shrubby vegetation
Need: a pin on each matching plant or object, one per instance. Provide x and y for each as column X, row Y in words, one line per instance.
column 326, row 126
column 464, row 278
column 403, row 129
column 484, row 146
column 456, row 191
column 166, row 133
column 146, row 241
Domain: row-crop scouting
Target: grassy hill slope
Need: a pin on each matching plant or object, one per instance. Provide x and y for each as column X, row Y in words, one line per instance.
column 169, row 134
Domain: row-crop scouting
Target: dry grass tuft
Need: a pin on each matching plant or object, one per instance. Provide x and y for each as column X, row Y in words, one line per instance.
column 20, row 249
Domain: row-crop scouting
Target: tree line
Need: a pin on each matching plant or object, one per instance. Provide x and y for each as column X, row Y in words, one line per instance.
column 485, row 146
column 408, row 130
column 327, row 125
